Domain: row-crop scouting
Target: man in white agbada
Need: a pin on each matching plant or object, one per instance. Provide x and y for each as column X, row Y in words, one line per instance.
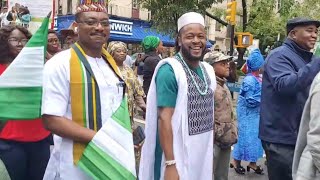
column 57, row 103
column 179, row 119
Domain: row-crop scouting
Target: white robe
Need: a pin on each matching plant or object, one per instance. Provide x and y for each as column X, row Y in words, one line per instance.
column 193, row 154
column 56, row 101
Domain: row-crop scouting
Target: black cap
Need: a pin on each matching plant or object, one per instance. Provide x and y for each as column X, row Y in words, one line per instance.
column 299, row 21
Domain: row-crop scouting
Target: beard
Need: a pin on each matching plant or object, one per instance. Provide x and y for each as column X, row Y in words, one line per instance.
column 185, row 51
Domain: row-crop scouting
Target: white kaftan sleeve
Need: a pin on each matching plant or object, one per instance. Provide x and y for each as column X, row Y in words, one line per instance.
column 56, row 92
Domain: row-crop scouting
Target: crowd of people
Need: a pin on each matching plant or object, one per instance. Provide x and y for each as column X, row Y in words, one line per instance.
column 18, row 15
column 191, row 128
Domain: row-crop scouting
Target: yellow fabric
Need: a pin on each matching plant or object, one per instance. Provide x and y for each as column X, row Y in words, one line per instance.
column 111, row 61
column 78, row 102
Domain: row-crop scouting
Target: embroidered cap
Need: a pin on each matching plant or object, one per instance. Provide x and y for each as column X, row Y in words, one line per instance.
column 91, row 5
column 190, row 18
column 213, row 57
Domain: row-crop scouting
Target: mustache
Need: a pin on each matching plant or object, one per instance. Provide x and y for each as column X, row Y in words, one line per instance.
column 98, row 34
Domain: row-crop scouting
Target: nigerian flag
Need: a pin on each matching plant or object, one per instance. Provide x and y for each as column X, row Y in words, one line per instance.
column 21, row 82
column 110, row 154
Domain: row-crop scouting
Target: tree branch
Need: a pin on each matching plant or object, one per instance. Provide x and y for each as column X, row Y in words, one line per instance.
column 217, row 19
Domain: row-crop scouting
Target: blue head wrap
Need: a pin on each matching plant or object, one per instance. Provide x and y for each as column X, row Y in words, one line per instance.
column 255, row 60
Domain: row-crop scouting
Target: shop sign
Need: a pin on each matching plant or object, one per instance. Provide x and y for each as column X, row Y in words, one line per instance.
column 121, row 27
column 55, row 23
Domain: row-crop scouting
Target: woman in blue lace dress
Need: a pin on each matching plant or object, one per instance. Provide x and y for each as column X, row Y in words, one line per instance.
column 248, row 147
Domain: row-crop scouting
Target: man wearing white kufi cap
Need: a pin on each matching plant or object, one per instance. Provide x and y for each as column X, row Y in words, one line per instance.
column 179, row 119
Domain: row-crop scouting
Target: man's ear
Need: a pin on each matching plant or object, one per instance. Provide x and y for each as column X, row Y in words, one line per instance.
column 293, row 33
column 179, row 41
column 76, row 27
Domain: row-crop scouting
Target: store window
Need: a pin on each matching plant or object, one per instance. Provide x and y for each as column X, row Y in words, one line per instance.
column 218, row 26
column 59, row 7
column 3, row 3
column 69, row 7
column 135, row 4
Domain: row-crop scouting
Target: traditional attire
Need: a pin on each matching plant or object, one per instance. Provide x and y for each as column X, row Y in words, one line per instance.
column 89, row 92
column 192, row 128
column 190, row 93
column 249, row 146
column 57, row 101
column 134, row 89
column 150, row 60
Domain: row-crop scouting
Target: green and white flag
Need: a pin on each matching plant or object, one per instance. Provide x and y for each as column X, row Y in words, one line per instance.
column 110, row 154
column 21, row 82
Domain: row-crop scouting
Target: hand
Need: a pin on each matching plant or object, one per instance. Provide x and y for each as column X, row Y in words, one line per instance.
column 139, row 146
column 171, row 173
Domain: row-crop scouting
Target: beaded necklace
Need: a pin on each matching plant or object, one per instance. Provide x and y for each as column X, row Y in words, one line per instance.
column 205, row 91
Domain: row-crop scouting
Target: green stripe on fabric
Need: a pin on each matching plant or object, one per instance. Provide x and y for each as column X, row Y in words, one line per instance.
column 89, row 99
column 89, row 74
column 158, row 157
column 84, row 100
column 121, row 116
column 101, row 166
column 98, row 107
column 83, row 59
column 20, row 103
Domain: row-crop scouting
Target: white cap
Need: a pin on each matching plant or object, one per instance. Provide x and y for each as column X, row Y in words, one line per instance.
column 190, row 18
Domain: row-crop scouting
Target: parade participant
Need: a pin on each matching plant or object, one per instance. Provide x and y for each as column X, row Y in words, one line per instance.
column 24, row 145
column 306, row 162
column 53, row 45
column 248, row 147
column 152, row 46
column 3, row 17
column 129, row 62
column 69, row 36
column 179, row 119
column 288, row 74
column 139, row 67
column 82, row 88
column 118, row 50
column 225, row 124
column 69, row 40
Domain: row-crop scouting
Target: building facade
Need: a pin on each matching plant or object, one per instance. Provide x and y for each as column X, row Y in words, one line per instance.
column 221, row 34
column 128, row 23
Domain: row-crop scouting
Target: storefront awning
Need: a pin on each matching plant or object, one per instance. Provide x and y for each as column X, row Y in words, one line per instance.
column 138, row 33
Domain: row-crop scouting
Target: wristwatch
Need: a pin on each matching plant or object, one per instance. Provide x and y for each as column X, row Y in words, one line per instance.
column 170, row 162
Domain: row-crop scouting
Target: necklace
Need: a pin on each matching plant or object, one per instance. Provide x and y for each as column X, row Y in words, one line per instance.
column 205, row 91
